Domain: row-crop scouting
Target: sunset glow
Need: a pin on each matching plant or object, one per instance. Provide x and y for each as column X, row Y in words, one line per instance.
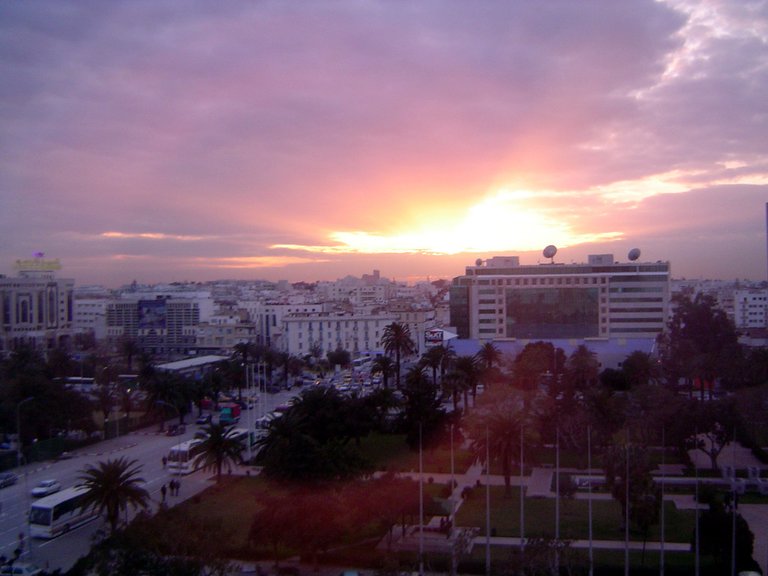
column 158, row 141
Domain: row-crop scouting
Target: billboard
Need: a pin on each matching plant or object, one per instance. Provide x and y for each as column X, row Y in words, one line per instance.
column 433, row 337
column 151, row 314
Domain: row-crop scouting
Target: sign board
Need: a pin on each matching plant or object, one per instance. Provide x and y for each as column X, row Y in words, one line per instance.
column 433, row 337
column 36, row 264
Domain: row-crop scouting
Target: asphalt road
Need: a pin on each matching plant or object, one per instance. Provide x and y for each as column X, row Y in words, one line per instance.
column 147, row 446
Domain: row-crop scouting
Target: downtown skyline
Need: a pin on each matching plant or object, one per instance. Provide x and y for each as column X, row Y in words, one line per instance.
column 187, row 141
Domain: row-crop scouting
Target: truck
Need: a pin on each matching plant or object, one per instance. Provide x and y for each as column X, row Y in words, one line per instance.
column 229, row 413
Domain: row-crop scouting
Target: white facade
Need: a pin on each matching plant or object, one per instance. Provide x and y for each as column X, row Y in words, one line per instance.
column 91, row 316
column 358, row 334
column 750, row 308
column 36, row 308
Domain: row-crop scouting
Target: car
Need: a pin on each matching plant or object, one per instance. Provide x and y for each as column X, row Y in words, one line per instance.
column 204, row 419
column 20, row 569
column 46, row 487
column 8, row 479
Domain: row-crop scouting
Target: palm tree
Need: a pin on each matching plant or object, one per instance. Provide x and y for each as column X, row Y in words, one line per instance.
column 384, row 365
column 433, row 359
column 219, row 448
column 112, row 486
column 469, row 370
column 397, row 340
column 489, row 355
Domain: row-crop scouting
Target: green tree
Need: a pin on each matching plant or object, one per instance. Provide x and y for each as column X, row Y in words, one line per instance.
column 422, row 411
column 219, row 448
column 497, row 428
column 385, row 366
column 469, row 370
column 580, row 374
column 533, row 362
column 112, row 486
column 397, row 340
column 699, row 342
column 640, row 368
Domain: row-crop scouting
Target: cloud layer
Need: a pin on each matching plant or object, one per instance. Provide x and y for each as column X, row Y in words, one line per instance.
column 190, row 140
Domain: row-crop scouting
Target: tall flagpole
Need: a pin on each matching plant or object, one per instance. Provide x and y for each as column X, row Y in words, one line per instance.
column 522, row 494
column 626, row 510
column 663, row 477
column 733, row 507
column 557, row 497
column 589, row 496
column 421, row 504
column 487, row 505
column 696, row 562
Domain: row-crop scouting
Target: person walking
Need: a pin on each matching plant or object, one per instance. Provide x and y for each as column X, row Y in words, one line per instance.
column 163, row 491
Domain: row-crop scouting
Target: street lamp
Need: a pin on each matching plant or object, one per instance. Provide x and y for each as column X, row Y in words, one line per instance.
column 18, row 429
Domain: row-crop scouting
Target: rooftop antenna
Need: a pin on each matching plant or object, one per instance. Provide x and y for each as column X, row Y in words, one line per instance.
column 549, row 252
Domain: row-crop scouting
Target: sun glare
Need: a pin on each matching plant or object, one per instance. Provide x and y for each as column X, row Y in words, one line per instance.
column 505, row 220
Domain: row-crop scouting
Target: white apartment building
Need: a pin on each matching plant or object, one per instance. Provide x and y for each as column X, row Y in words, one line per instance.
column 750, row 308
column 359, row 334
column 91, row 316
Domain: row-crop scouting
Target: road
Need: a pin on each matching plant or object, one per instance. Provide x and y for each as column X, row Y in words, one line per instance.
column 147, row 446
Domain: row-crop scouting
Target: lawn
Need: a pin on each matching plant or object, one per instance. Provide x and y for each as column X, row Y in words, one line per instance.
column 539, row 516
column 390, row 452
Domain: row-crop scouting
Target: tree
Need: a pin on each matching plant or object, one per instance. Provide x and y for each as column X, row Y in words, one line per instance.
column 112, row 486
column 497, row 431
column 385, row 366
column 713, row 426
column 580, row 374
column 488, row 358
column 397, row 340
column 467, row 367
column 129, row 348
column 220, row 447
column 433, row 359
column 534, row 361
column 339, row 357
column 716, row 530
column 699, row 342
column 422, row 411
column 640, row 368
column 628, row 463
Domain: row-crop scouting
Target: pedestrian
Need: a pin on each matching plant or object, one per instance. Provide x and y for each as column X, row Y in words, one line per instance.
column 178, row 486
column 174, row 488
column 163, row 491
column 165, row 461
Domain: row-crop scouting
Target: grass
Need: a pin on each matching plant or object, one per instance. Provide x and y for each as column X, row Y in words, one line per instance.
column 390, row 452
column 574, row 524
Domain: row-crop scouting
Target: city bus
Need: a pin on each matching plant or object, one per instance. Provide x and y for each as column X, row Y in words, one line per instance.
column 59, row 513
column 182, row 457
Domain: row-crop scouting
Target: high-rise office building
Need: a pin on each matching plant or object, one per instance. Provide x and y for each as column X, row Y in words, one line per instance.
column 500, row 298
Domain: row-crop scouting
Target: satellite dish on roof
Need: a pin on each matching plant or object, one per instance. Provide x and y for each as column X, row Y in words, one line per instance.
column 634, row 254
column 550, row 251
column 479, row 262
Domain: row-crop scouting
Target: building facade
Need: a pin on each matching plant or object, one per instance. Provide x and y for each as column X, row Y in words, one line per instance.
column 36, row 308
column 501, row 299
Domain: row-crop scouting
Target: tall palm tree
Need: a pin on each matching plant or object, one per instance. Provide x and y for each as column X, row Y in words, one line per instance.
column 468, row 368
column 220, row 448
column 489, row 355
column 397, row 340
column 433, row 359
column 384, row 365
column 112, row 486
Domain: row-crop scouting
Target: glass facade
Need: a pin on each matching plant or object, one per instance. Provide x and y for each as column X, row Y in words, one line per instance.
column 552, row 313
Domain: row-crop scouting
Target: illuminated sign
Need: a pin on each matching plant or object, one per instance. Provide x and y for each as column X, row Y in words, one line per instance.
column 38, row 264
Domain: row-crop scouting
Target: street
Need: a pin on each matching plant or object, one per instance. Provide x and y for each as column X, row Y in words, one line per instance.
column 147, row 446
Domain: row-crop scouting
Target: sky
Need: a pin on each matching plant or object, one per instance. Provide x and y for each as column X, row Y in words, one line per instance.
column 174, row 140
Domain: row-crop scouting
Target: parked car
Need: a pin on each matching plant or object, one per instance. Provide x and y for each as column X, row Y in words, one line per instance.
column 8, row 479
column 46, row 487
column 20, row 569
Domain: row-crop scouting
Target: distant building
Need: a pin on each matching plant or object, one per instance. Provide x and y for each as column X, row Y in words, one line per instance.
column 750, row 308
column 164, row 327
column 36, row 308
column 500, row 298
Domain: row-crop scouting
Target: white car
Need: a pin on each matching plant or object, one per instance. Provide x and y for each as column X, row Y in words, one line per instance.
column 46, row 487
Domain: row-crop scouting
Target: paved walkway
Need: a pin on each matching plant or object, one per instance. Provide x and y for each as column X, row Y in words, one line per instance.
column 539, row 485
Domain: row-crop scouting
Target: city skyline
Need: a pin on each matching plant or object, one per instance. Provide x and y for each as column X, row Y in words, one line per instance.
column 170, row 141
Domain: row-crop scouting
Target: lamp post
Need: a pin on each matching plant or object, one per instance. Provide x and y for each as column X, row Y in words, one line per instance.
column 18, row 429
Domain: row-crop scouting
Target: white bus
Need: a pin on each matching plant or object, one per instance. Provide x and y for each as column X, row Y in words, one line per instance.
column 182, row 458
column 59, row 513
